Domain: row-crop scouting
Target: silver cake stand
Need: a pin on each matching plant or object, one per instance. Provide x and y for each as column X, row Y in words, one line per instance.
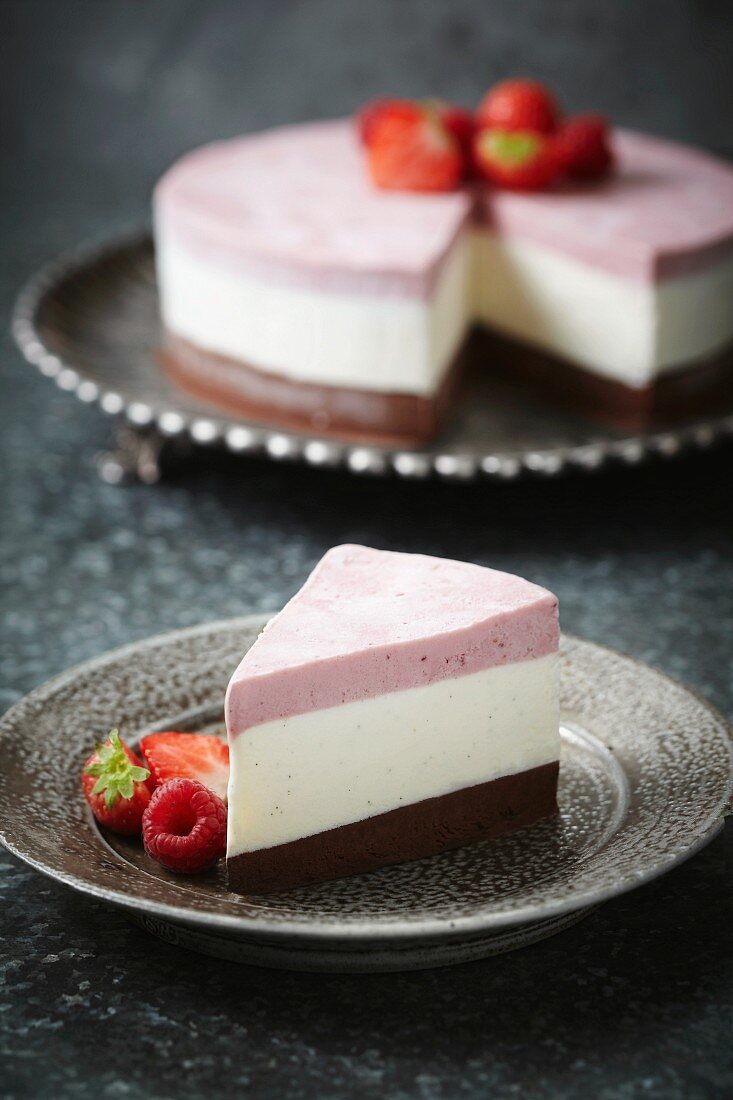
column 89, row 322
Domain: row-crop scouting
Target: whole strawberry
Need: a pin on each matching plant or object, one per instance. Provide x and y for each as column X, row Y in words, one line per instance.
column 583, row 147
column 519, row 105
column 520, row 161
column 116, row 786
column 411, row 149
column 185, row 826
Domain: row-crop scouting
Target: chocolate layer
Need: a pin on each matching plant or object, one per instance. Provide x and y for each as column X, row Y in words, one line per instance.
column 409, row 832
column 405, row 419
column 367, row 416
column 682, row 394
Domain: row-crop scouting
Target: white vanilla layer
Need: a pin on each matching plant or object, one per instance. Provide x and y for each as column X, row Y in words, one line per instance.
column 299, row 776
column 623, row 329
column 355, row 341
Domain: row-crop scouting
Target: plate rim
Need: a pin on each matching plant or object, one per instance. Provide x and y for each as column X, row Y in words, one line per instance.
column 370, row 930
column 240, row 436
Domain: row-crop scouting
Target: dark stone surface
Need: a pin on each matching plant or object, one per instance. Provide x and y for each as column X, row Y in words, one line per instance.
column 633, row 1002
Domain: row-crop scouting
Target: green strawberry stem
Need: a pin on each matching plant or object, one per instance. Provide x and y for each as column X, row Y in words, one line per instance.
column 117, row 775
column 512, row 148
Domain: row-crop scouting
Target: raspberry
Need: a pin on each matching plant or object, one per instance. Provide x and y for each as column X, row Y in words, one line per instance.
column 184, row 826
column 583, row 147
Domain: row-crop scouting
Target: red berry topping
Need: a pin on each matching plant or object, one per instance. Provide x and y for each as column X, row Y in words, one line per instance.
column 413, row 150
column 185, row 826
column 459, row 122
column 377, row 108
column 519, row 105
column 582, row 147
column 116, row 786
column 198, row 756
column 518, row 161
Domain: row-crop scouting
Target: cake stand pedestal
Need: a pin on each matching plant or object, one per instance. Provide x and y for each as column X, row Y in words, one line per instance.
column 138, row 454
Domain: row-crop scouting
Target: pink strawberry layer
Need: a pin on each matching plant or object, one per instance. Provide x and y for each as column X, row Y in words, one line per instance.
column 368, row 622
column 666, row 211
column 295, row 205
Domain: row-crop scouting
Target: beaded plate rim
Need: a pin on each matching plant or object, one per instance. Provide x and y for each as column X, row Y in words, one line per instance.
column 373, row 930
column 242, row 437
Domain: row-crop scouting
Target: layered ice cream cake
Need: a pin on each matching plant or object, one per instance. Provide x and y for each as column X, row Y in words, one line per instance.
column 293, row 291
column 398, row 706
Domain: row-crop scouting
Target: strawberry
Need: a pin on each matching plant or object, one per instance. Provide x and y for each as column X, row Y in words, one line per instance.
column 198, row 756
column 367, row 115
column 116, row 786
column 519, row 105
column 455, row 120
column 518, row 161
column 582, row 147
column 185, row 826
column 413, row 151
column 458, row 120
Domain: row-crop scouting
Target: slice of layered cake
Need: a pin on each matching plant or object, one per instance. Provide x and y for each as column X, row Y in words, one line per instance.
column 398, row 706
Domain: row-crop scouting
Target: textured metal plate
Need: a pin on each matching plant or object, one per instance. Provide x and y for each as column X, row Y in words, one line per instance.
column 89, row 321
column 645, row 779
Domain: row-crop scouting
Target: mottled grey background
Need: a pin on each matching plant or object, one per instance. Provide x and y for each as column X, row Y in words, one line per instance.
column 97, row 99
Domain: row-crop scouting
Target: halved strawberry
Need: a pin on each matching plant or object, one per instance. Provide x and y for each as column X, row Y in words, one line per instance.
column 457, row 121
column 367, row 115
column 116, row 786
column 413, row 151
column 520, row 161
column 519, row 105
column 173, row 755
